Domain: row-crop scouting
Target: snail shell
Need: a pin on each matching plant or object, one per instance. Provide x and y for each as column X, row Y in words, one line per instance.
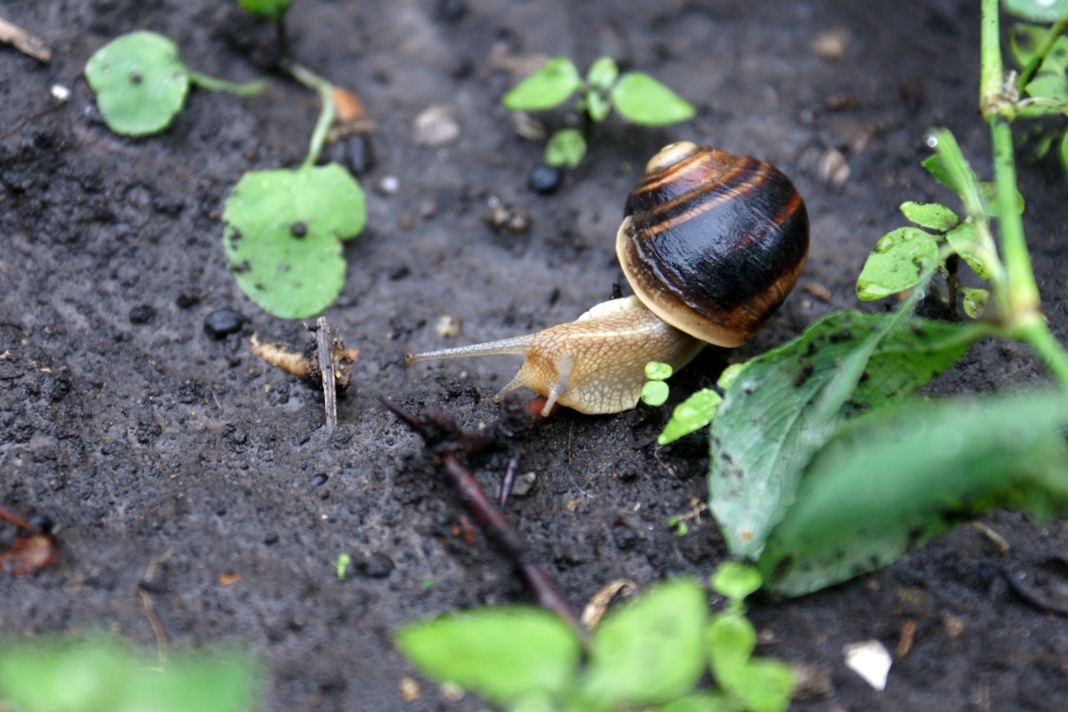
column 712, row 242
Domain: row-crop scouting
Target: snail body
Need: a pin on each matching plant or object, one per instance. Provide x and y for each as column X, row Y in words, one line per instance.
column 710, row 242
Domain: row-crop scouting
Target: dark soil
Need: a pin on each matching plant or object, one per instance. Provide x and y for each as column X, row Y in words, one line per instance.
column 142, row 437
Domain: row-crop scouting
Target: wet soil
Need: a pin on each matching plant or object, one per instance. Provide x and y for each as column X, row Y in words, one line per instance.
column 142, row 437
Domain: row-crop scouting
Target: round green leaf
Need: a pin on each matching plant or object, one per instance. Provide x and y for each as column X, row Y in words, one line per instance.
column 932, row 216
column 974, row 301
column 551, row 85
column 283, row 236
column 644, row 100
column 657, row 371
column 736, row 580
column 655, row 393
column 566, row 147
column 503, row 654
column 898, row 262
column 140, row 82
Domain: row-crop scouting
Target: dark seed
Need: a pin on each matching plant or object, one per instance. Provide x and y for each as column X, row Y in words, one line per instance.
column 299, row 229
column 184, row 301
column 43, row 523
column 376, row 565
column 223, row 322
column 142, row 314
column 318, row 480
column 136, row 78
column 545, row 179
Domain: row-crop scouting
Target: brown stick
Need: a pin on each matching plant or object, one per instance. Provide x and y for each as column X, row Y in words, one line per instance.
column 452, row 445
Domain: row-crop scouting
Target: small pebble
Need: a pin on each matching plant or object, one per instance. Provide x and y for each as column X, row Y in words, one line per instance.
column 523, row 484
column 834, row 168
column 545, row 179
column 376, row 565
column 142, row 314
column 435, row 126
column 448, row 326
column 184, row 301
column 388, row 185
column 318, row 480
column 223, row 322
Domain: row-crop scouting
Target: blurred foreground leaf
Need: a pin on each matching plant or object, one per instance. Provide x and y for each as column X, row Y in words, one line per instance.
column 102, row 675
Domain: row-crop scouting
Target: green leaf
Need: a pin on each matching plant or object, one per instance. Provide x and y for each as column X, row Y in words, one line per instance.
column 1037, row 10
column 731, row 640
column 932, row 216
column 1024, row 41
column 139, row 81
column 1052, row 86
column 549, row 86
column 597, row 105
column 787, row 403
column 898, row 262
column 657, row 371
column 602, row 73
column 643, row 100
column 651, row 650
column 655, row 393
column 273, row 10
column 949, row 167
column 283, row 236
column 894, row 478
column 764, row 685
column 566, row 147
column 701, row 702
column 102, row 675
column 1064, row 150
column 692, row 414
column 503, row 654
column 736, row 580
column 965, row 243
column 974, row 301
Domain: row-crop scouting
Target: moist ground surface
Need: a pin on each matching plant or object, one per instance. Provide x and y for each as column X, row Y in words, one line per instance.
column 142, row 438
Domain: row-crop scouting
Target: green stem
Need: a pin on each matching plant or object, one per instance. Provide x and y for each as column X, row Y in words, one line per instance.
column 326, row 115
column 1035, row 333
column 1023, row 297
column 991, row 90
column 211, row 83
column 1045, row 46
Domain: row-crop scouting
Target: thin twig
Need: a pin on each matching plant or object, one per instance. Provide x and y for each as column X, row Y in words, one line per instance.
column 326, row 367
column 23, row 41
column 452, row 445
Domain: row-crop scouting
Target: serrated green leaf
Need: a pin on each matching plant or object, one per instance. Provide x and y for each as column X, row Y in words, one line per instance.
column 1037, row 10
column 566, row 147
column 650, row 651
column 283, row 236
column 273, row 10
column 643, row 100
column 602, row 73
column 974, row 301
column 503, row 654
column 692, row 414
column 787, row 403
column 549, row 86
column 898, row 262
column 894, row 478
column 932, row 216
column 139, row 81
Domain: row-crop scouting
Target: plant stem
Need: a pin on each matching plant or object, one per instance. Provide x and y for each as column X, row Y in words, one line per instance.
column 215, row 84
column 326, row 115
column 1023, row 297
column 991, row 90
column 1041, row 52
column 1035, row 333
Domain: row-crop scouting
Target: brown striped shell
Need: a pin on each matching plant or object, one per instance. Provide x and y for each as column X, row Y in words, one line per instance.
column 712, row 242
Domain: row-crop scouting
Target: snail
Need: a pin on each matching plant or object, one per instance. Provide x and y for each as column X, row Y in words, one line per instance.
column 711, row 243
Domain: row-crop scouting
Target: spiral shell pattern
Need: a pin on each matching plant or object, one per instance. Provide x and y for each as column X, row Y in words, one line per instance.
column 712, row 242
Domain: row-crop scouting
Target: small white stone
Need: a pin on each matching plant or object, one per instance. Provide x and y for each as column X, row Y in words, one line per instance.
column 869, row 659
column 435, row 126
column 60, row 92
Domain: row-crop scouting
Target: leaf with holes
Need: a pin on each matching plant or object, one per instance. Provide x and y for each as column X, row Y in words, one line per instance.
column 283, row 236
